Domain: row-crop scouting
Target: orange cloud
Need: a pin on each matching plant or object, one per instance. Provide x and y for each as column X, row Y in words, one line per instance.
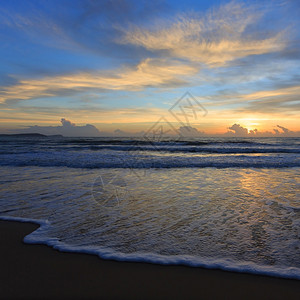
column 293, row 90
column 148, row 73
column 214, row 39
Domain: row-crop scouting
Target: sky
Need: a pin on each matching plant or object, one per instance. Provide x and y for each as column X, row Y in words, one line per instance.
column 87, row 67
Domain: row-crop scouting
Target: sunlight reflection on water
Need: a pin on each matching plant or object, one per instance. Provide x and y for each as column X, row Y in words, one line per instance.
column 242, row 214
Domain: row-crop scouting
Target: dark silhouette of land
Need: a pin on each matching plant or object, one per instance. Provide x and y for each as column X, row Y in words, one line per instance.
column 30, row 135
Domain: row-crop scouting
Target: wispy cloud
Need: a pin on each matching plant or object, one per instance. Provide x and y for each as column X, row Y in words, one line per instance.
column 148, row 73
column 214, row 39
column 81, row 25
column 282, row 99
column 293, row 90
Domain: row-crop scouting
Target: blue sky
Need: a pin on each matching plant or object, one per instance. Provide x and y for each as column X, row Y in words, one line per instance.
column 123, row 64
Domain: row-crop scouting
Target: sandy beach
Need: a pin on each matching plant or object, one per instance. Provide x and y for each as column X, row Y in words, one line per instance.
column 38, row 271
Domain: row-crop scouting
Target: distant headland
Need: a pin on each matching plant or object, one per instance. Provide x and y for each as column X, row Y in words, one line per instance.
column 30, row 135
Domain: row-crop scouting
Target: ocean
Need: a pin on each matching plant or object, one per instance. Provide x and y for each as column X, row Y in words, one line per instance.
column 225, row 203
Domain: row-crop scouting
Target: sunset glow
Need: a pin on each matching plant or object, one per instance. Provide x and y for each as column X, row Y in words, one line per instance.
column 118, row 70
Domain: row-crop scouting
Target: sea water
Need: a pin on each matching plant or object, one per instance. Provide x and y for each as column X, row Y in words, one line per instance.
column 232, row 204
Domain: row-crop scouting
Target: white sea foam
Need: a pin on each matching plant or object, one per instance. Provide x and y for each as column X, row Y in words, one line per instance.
column 243, row 220
column 224, row 264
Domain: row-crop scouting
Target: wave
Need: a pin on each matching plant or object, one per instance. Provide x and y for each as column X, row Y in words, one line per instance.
column 150, row 140
column 143, row 153
column 139, row 160
column 194, row 149
column 171, row 148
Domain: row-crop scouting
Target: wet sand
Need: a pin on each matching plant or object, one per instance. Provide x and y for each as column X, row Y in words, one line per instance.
column 38, row 271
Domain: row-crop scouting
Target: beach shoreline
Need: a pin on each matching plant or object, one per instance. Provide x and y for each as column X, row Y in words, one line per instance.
column 38, row 271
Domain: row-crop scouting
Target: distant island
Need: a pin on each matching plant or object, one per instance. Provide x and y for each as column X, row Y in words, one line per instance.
column 30, row 135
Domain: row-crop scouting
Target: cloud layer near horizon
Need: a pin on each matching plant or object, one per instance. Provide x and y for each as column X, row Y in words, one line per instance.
column 68, row 128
